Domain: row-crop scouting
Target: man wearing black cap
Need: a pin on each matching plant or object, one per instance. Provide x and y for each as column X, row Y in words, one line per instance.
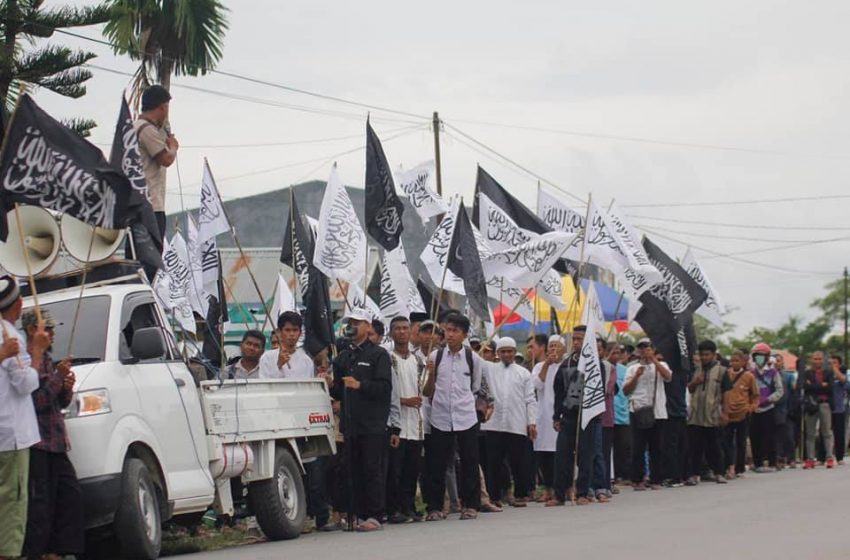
column 157, row 145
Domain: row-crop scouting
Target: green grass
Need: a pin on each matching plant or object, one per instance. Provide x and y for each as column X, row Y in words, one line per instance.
column 179, row 541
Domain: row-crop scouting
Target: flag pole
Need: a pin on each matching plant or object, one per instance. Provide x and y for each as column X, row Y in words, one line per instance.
column 82, row 288
column 292, row 244
column 436, row 124
column 30, row 276
column 269, row 319
column 581, row 263
column 238, row 303
column 616, row 312
column 236, row 240
column 501, row 293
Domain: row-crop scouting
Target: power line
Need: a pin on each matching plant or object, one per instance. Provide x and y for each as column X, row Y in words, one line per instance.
column 739, row 202
column 640, row 140
column 741, row 226
column 261, row 82
column 729, row 237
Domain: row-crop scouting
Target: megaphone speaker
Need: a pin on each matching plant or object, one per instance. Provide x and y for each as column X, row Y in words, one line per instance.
column 87, row 243
column 41, row 241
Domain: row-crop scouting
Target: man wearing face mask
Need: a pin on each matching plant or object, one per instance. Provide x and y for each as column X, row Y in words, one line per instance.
column 362, row 381
column 763, row 429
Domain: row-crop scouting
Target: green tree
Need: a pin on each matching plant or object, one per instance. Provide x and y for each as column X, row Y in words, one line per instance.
column 832, row 304
column 168, row 37
column 53, row 67
column 794, row 336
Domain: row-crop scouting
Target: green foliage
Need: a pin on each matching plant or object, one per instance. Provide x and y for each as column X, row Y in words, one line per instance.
column 53, row 67
column 181, row 37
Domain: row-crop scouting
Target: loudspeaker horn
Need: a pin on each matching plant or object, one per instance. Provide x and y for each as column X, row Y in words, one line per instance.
column 41, row 241
column 77, row 238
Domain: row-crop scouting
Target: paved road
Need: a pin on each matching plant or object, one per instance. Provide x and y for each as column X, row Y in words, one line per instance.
column 798, row 515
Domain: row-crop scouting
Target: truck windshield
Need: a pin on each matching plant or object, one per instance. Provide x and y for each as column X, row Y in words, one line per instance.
column 90, row 335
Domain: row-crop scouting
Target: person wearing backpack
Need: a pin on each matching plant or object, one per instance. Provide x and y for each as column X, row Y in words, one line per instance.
column 454, row 379
column 644, row 386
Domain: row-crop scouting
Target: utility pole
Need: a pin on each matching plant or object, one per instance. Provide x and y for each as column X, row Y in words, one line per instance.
column 436, row 125
column 845, row 315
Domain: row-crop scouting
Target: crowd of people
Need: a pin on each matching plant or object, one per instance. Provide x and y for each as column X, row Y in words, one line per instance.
column 476, row 427
column 425, row 409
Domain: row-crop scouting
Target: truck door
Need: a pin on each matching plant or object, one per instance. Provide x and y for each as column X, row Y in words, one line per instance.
column 169, row 403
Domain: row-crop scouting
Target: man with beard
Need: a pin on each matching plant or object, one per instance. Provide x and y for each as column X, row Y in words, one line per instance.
column 543, row 377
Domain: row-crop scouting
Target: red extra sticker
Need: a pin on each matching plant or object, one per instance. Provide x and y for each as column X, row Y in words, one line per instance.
column 319, row 418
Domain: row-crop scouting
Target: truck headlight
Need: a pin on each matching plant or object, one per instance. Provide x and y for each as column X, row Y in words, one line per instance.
column 90, row 403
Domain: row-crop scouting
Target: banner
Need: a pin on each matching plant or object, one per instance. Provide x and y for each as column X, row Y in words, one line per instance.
column 297, row 249
column 712, row 310
column 434, row 256
column 44, row 163
column 680, row 293
column 197, row 297
column 171, row 284
column 212, row 220
column 355, row 298
column 418, row 185
column 340, row 250
column 589, row 365
column 464, row 261
column 383, row 208
column 398, row 292
column 556, row 215
column 283, row 300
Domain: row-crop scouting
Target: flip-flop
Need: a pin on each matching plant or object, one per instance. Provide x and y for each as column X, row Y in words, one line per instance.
column 369, row 525
column 469, row 514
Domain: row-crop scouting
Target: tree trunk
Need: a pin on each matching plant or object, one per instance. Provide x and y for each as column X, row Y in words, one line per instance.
column 166, row 68
column 12, row 16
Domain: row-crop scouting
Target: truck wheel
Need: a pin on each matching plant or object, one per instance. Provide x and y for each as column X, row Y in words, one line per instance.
column 138, row 523
column 280, row 503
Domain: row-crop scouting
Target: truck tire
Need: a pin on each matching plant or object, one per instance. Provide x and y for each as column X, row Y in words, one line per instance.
column 138, row 521
column 280, row 503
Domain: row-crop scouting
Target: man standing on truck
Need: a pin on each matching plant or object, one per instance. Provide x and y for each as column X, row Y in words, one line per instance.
column 18, row 424
column 362, row 381
column 55, row 517
column 287, row 361
column 248, row 364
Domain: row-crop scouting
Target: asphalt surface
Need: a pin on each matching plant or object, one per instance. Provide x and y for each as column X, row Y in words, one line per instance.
column 793, row 514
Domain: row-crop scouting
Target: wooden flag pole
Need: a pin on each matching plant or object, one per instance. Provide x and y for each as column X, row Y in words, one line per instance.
column 238, row 303
column 30, row 277
column 581, row 264
column 616, row 312
column 82, row 289
column 269, row 319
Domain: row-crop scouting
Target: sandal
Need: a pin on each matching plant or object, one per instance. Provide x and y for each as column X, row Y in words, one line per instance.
column 582, row 501
column 554, row 502
column 369, row 525
column 469, row 514
column 603, row 499
column 490, row 508
column 435, row 516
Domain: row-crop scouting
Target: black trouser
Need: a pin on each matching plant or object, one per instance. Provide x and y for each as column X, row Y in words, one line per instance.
column 763, row 438
column 838, row 431
column 704, row 441
column 440, row 452
column 366, row 474
column 675, row 443
column 404, row 466
column 55, row 514
column 607, row 450
column 317, row 491
column 736, row 444
column 546, row 466
column 337, row 482
column 565, row 460
column 502, row 446
column 622, row 452
column 785, row 445
column 643, row 440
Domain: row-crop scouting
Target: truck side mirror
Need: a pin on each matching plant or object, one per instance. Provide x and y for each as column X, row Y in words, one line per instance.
column 148, row 344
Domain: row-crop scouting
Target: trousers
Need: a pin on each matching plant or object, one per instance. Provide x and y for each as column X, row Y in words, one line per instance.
column 55, row 518
column 705, row 442
column 441, row 447
column 513, row 448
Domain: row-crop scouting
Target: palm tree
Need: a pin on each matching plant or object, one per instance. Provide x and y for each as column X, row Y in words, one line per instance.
column 54, row 67
column 169, row 37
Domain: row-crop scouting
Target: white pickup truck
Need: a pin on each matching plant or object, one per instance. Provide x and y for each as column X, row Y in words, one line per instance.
column 149, row 443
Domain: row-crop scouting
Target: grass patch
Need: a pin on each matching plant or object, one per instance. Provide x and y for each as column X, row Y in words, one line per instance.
column 180, row 541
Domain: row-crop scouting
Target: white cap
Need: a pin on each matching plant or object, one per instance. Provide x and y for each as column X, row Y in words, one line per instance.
column 358, row 314
column 556, row 338
column 505, row 342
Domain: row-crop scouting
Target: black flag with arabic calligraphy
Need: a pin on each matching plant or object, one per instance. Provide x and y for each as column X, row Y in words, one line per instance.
column 465, row 262
column 383, row 207
column 44, row 163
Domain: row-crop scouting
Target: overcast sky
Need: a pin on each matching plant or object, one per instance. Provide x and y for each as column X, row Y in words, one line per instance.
column 769, row 82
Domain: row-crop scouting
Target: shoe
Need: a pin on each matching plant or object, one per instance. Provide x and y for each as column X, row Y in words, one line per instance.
column 656, row 487
column 469, row 513
column 708, row 477
column 491, row 508
column 416, row 517
column 720, row 480
column 554, row 502
column 603, row 499
column 830, row 463
column 692, row 481
column 369, row 525
column 764, row 470
column 615, row 490
column 435, row 516
column 518, row 503
column 331, row 527
column 808, row 464
column 639, row 487
column 400, row 519
column 583, row 501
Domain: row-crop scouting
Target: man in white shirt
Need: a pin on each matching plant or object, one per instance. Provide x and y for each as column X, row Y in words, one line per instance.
column 404, row 460
column 288, row 361
column 644, row 386
column 543, row 378
column 18, row 423
column 248, row 365
column 513, row 423
column 454, row 378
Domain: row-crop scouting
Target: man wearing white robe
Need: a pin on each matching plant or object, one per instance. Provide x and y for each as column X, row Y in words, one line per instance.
column 543, row 376
column 513, row 423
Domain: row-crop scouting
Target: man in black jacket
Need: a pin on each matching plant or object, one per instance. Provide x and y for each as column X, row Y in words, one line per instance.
column 817, row 385
column 362, row 381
